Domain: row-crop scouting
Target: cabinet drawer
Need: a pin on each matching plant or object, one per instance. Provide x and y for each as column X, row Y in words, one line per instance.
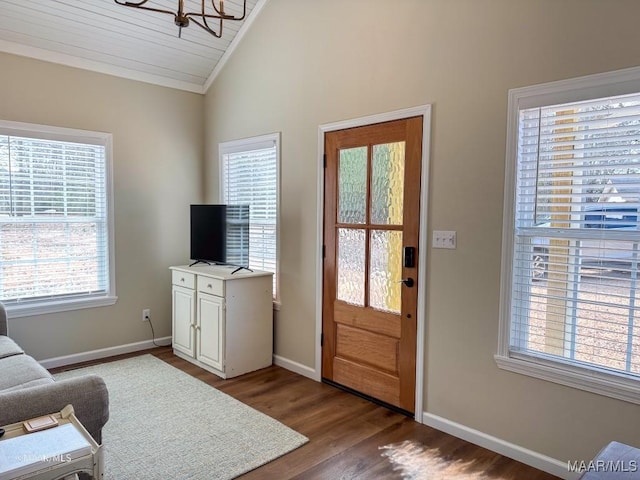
column 184, row 279
column 213, row 286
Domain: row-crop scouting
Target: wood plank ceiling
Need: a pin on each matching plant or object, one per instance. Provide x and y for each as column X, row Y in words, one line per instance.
column 102, row 36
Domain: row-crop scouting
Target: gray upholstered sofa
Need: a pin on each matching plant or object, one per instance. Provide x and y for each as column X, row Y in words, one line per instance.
column 27, row 390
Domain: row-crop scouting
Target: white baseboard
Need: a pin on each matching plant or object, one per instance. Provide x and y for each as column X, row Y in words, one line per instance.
column 516, row 452
column 296, row 367
column 102, row 353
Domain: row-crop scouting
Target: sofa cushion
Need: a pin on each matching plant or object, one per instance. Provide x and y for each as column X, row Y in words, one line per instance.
column 22, row 371
column 8, row 347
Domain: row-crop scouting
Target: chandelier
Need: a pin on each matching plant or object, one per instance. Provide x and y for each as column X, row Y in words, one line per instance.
column 201, row 18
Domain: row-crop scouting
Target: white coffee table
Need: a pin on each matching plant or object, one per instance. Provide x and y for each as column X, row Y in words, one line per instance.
column 56, row 453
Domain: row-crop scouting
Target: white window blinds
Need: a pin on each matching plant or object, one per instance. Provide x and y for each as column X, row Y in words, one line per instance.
column 250, row 177
column 575, row 295
column 53, row 219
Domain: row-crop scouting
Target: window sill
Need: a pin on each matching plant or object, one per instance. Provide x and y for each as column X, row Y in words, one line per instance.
column 17, row 310
column 600, row 382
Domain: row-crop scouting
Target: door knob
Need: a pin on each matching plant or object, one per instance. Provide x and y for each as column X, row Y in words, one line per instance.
column 407, row 281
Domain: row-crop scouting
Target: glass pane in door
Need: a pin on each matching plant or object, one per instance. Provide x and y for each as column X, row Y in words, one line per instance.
column 351, row 266
column 352, row 185
column 387, row 183
column 385, row 270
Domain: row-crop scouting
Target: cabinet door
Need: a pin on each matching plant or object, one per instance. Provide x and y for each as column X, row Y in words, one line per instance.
column 183, row 319
column 210, row 337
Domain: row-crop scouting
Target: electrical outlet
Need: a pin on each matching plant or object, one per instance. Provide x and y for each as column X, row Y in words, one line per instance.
column 146, row 314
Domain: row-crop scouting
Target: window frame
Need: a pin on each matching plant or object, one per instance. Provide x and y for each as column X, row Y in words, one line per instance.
column 247, row 145
column 54, row 133
column 595, row 380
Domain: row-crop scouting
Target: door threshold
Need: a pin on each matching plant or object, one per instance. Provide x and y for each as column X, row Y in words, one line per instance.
column 371, row 399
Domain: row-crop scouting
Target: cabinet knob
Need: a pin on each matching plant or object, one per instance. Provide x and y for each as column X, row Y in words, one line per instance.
column 182, row 279
column 209, row 286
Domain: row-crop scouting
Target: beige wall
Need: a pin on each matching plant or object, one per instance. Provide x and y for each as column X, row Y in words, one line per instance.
column 157, row 160
column 306, row 63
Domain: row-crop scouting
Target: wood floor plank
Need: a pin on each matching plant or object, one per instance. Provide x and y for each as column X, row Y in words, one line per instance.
column 345, row 432
column 365, row 457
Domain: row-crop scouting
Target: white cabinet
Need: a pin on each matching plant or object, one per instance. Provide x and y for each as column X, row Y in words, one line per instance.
column 222, row 321
column 183, row 307
column 210, row 330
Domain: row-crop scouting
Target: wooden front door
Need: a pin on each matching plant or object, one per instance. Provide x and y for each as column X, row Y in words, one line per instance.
column 371, row 232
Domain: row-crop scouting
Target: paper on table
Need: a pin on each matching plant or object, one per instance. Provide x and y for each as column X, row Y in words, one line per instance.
column 35, row 451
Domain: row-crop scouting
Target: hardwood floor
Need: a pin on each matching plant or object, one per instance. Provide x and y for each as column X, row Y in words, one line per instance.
column 345, row 432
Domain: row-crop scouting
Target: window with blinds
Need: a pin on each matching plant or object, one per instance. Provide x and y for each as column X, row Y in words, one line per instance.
column 54, row 236
column 573, row 299
column 249, row 176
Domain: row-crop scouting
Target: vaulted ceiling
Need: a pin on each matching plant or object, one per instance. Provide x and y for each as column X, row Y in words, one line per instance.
column 103, row 36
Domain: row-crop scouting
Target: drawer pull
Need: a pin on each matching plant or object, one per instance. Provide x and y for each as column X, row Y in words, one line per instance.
column 209, row 286
column 182, row 279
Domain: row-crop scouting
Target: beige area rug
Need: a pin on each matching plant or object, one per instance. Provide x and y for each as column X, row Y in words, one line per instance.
column 165, row 424
column 413, row 461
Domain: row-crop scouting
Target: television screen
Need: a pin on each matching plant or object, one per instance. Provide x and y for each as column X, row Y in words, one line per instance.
column 220, row 234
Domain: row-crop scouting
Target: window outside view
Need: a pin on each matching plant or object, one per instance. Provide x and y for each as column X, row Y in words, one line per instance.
column 250, row 177
column 575, row 283
column 53, row 233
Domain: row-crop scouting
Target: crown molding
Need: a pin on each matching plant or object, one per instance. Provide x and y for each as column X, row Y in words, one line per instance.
column 98, row 67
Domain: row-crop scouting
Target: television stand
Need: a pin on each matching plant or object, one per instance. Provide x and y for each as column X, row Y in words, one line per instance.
column 241, row 268
column 222, row 322
column 200, row 261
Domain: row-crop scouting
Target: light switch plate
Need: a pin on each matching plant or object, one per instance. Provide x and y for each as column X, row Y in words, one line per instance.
column 444, row 239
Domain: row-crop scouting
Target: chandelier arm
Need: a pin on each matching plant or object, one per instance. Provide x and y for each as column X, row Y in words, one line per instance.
column 182, row 19
column 141, row 7
column 131, row 4
column 231, row 17
column 218, row 13
column 204, row 19
column 215, row 9
column 205, row 26
column 212, row 16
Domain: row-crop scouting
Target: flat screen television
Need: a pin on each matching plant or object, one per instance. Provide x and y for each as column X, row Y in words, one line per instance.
column 220, row 234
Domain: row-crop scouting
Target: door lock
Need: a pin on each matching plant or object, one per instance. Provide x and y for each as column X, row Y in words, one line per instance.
column 409, row 257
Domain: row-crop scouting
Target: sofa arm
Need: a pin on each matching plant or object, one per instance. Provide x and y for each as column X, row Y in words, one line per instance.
column 88, row 395
column 4, row 327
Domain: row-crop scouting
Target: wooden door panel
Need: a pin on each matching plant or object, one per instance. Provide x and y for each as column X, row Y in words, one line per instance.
column 367, row 380
column 372, row 212
column 366, row 135
column 368, row 348
column 367, row 318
